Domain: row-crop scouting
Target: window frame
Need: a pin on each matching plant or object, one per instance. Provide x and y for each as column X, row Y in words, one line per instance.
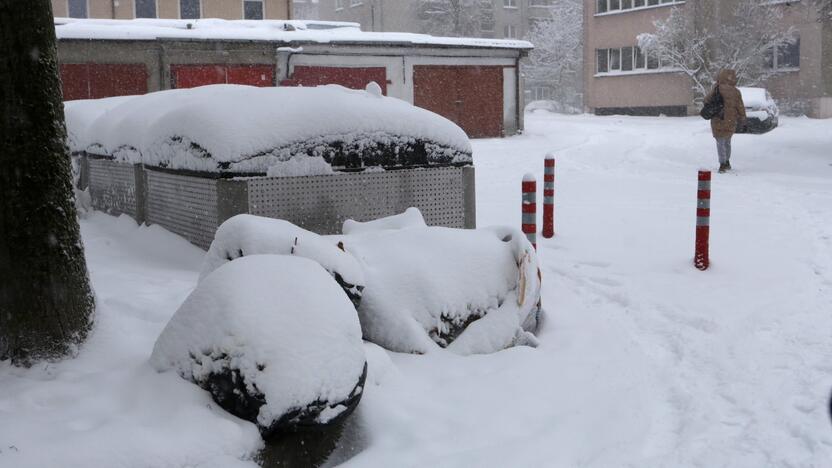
column 262, row 9
column 637, row 67
column 620, row 9
column 86, row 9
column 199, row 13
column 155, row 10
column 773, row 56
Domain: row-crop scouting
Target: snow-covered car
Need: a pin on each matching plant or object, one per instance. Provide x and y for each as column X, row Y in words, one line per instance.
column 760, row 110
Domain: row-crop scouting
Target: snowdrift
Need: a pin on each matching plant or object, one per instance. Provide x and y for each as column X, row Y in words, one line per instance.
column 273, row 339
column 415, row 287
column 248, row 130
column 472, row 291
column 245, row 234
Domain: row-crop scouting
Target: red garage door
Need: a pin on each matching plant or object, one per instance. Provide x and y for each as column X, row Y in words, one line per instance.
column 471, row 96
column 348, row 77
column 99, row 80
column 191, row 76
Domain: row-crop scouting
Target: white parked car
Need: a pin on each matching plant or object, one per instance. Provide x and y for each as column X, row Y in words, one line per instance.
column 760, row 109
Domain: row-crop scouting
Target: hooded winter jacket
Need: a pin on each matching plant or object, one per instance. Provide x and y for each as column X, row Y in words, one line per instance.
column 734, row 107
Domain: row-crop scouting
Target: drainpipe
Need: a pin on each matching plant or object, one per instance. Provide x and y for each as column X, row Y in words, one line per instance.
column 113, row 8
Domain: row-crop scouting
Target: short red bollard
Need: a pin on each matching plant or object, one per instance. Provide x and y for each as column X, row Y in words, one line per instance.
column 529, row 218
column 549, row 196
column 703, row 221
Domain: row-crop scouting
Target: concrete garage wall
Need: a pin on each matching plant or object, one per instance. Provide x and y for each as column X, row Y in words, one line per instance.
column 193, row 207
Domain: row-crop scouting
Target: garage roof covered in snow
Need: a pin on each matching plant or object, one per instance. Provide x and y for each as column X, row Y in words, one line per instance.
column 288, row 32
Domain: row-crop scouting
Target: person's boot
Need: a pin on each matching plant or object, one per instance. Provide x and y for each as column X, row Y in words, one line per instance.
column 728, row 165
column 723, row 167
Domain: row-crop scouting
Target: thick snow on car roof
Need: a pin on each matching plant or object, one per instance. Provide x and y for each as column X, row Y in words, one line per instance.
column 754, row 97
column 250, row 129
column 265, row 30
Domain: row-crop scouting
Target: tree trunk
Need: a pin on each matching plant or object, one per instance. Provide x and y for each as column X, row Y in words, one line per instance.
column 46, row 304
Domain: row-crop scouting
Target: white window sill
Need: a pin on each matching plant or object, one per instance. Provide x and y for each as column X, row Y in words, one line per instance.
column 631, row 10
column 787, row 70
column 656, row 71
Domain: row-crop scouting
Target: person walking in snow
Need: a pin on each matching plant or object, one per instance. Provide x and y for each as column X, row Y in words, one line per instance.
column 725, row 124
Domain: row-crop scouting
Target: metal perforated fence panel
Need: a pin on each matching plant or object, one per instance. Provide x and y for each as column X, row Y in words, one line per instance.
column 322, row 203
column 184, row 205
column 112, row 186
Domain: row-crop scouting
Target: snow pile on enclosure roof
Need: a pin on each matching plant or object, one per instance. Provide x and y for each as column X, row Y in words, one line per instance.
column 280, row 322
column 249, row 129
column 82, row 114
column 265, row 30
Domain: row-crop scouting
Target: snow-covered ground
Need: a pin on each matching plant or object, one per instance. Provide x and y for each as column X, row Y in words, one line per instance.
column 644, row 361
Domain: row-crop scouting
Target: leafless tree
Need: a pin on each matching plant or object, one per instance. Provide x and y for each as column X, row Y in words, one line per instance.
column 454, row 18
column 558, row 48
column 741, row 39
column 824, row 10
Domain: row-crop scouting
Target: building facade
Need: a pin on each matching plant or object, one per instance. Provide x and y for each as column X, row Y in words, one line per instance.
column 305, row 9
column 499, row 19
column 173, row 9
column 619, row 79
column 132, row 57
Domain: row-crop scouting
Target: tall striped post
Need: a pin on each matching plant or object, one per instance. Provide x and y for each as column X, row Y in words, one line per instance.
column 549, row 196
column 703, row 221
column 530, row 209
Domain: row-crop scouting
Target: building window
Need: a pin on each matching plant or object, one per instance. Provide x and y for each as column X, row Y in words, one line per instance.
column 539, row 93
column 787, row 56
column 540, row 3
column 510, row 31
column 615, row 59
column 607, row 6
column 603, row 60
column 625, row 59
column 145, row 8
column 77, row 8
column 509, row 3
column 339, row 4
column 638, row 59
column 253, row 9
column 189, row 9
column 356, row 3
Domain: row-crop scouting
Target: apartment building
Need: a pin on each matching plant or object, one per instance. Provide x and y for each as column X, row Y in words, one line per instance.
column 620, row 79
column 173, row 9
column 499, row 19
column 305, row 9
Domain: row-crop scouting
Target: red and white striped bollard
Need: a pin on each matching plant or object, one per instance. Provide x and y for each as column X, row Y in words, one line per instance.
column 703, row 221
column 549, row 196
column 529, row 219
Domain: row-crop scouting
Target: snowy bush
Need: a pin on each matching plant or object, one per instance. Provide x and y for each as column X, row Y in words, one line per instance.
column 244, row 235
column 415, row 287
column 245, row 129
column 273, row 339
column 472, row 291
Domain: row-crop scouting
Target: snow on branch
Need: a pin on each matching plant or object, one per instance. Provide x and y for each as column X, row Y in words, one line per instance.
column 558, row 46
column 743, row 38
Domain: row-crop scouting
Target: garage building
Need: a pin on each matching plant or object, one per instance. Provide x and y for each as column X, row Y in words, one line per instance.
column 473, row 82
